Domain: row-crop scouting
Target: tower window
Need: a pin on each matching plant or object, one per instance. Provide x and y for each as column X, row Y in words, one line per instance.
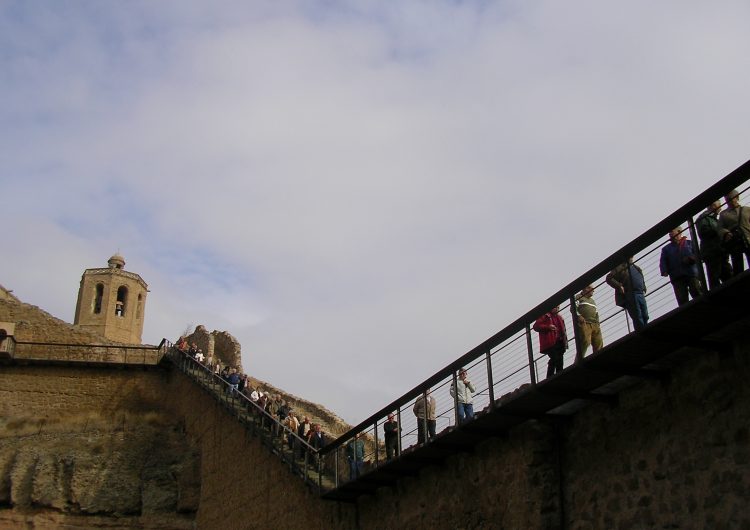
column 122, row 301
column 138, row 306
column 98, row 298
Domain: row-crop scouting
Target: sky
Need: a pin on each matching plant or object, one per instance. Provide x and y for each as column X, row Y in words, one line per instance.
column 361, row 191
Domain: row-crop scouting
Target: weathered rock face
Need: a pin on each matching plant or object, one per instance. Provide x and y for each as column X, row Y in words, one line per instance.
column 223, row 347
column 218, row 345
column 332, row 424
column 115, row 469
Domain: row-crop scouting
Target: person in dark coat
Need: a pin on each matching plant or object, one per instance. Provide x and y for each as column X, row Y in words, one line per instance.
column 679, row 262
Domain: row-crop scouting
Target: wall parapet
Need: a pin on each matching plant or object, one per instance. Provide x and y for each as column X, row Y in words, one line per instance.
column 88, row 353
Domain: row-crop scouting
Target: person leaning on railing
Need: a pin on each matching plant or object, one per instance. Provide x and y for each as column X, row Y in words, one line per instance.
column 419, row 412
column 355, row 455
column 713, row 253
column 390, row 433
column 735, row 226
column 553, row 340
column 679, row 262
column 630, row 291
column 463, row 391
column 590, row 332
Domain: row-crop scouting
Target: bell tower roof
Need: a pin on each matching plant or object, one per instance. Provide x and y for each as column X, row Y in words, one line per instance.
column 116, row 261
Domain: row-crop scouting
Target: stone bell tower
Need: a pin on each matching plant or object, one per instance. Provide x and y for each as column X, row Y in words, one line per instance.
column 112, row 302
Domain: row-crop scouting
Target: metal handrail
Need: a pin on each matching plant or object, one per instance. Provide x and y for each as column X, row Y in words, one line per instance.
column 651, row 236
column 272, row 430
column 85, row 352
column 87, row 345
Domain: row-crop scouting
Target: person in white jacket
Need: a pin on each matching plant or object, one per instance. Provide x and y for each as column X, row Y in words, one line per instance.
column 464, row 392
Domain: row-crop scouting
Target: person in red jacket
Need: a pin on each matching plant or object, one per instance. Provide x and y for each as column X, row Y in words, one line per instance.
column 553, row 340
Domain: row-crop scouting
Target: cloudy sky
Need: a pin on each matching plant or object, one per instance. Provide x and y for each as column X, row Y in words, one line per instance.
column 359, row 191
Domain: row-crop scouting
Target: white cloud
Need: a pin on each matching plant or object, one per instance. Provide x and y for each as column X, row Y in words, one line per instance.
column 361, row 185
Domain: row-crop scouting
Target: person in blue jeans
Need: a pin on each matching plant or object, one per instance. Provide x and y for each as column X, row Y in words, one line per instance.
column 630, row 291
column 464, row 394
column 355, row 454
column 679, row 262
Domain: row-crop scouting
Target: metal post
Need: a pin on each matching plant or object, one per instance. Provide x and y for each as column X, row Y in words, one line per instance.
column 305, row 457
column 576, row 330
column 335, row 467
column 490, row 384
column 424, row 420
column 320, row 475
column 455, row 398
column 696, row 248
column 377, row 449
column 398, row 429
column 530, row 350
column 625, row 296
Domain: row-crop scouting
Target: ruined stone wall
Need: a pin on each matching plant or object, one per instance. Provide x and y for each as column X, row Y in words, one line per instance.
column 218, row 345
column 34, row 324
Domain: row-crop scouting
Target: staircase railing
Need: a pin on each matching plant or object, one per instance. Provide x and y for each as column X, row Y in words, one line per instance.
column 302, row 458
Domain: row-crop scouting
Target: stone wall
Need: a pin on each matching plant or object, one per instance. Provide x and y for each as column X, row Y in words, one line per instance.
column 106, row 447
column 34, row 324
column 670, row 455
column 93, row 447
column 74, row 441
column 506, row 483
column 242, row 484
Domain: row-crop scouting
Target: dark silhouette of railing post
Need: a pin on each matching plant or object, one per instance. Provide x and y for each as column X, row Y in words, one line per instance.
column 335, row 467
column 425, row 412
column 455, row 398
column 320, row 474
column 376, row 444
column 576, row 328
column 694, row 237
column 490, row 382
column 530, row 350
column 398, row 429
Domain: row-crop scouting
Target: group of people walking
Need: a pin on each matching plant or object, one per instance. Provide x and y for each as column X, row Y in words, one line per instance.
column 723, row 235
